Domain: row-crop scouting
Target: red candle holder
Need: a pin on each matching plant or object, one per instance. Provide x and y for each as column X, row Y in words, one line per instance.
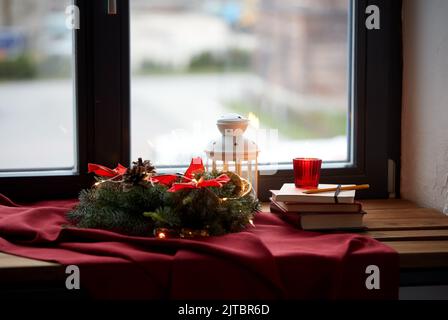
column 307, row 172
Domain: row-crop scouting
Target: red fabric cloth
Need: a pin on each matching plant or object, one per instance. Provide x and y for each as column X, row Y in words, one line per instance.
column 269, row 261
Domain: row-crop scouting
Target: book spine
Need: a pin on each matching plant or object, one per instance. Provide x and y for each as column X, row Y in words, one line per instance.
column 353, row 208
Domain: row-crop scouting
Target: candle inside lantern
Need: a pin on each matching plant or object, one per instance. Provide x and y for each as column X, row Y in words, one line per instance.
column 306, row 172
column 232, row 151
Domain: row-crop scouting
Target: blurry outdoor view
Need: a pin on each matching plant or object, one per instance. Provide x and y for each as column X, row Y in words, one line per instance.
column 36, row 86
column 282, row 63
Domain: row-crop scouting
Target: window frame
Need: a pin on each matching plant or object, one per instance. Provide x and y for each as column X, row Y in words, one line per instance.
column 375, row 100
column 101, row 101
column 103, row 104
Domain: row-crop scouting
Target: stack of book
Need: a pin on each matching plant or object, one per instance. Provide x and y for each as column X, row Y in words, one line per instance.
column 319, row 211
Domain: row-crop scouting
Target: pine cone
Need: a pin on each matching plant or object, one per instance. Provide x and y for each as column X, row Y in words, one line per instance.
column 138, row 172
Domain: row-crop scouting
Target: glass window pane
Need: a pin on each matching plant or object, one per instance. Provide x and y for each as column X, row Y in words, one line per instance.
column 282, row 63
column 36, row 87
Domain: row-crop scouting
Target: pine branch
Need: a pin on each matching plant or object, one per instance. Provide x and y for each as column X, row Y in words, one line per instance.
column 135, row 206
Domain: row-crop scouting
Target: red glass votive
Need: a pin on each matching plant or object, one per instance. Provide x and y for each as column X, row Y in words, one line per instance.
column 306, row 172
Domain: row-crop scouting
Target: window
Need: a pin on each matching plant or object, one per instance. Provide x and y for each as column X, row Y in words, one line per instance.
column 160, row 69
column 37, row 114
column 283, row 64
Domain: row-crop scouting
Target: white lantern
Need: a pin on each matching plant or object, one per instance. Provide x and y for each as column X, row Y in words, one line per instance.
column 232, row 151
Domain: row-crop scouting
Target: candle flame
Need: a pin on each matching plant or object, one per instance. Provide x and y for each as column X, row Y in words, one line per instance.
column 254, row 120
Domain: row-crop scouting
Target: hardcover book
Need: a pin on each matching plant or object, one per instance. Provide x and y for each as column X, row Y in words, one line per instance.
column 289, row 193
column 316, row 207
column 322, row 221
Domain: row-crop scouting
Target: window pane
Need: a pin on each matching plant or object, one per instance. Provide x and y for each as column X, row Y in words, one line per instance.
column 282, row 63
column 36, row 87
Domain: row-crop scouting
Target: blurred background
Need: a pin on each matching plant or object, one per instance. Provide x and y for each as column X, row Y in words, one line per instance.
column 36, row 86
column 282, row 63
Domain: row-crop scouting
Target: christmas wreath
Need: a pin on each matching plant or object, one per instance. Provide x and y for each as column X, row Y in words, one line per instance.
column 137, row 201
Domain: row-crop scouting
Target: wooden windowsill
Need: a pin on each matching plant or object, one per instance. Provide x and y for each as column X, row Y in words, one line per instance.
column 419, row 235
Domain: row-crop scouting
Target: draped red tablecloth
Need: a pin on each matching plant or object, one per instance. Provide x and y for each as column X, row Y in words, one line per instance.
column 269, row 261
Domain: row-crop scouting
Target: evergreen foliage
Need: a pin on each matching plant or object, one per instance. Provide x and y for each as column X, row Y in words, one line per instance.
column 142, row 207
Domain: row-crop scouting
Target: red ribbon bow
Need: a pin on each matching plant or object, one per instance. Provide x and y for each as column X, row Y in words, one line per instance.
column 201, row 183
column 188, row 180
column 103, row 171
column 196, row 166
column 165, row 179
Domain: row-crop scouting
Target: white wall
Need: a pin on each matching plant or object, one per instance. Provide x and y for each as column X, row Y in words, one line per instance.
column 424, row 176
